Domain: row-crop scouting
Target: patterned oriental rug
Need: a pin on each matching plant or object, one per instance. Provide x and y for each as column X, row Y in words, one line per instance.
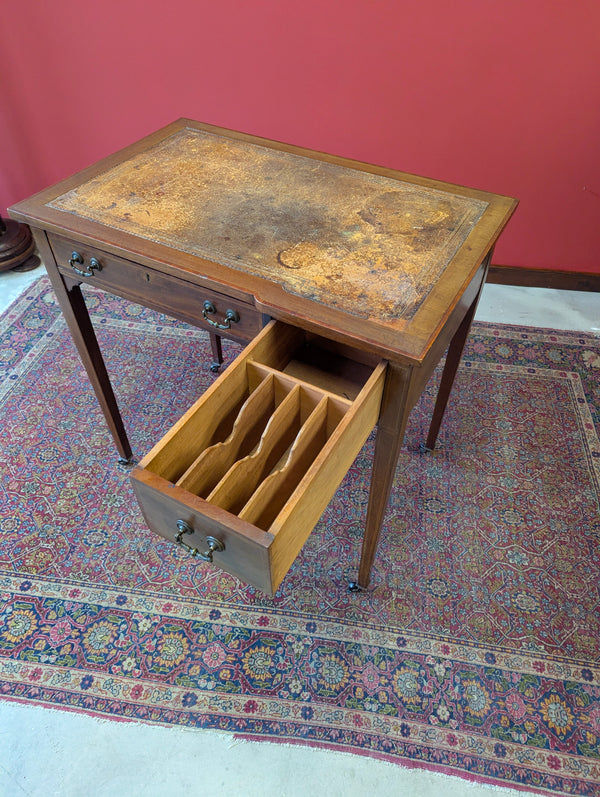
column 475, row 652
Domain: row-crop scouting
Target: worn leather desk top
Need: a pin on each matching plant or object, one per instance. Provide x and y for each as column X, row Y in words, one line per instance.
column 379, row 258
column 359, row 242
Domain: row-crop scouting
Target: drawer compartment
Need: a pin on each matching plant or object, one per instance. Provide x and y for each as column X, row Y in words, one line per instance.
column 244, row 476
column 186, row 301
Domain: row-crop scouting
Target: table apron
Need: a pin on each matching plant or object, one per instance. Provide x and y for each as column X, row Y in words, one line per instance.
column 173, row 296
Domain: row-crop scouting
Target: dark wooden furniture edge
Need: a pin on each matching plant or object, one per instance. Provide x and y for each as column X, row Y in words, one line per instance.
column 543, row 278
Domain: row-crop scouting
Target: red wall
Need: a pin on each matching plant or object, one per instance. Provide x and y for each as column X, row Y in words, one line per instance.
column 503, row 95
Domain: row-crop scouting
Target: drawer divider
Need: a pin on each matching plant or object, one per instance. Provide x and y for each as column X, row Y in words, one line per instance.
column 270, row 496
column 183, row 443
column 290, row 379
column 211, row 465
column 240, row 481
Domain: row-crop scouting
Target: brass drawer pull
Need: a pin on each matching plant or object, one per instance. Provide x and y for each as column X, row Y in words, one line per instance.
column 231, row 316
column 89, row 271
column 213, row 543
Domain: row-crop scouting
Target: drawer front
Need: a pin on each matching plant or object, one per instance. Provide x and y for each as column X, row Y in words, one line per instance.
column 245, row 551
column 183, row 300
column 253, row 464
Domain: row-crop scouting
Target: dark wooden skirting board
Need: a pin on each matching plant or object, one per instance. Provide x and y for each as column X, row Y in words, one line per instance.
column 543, row 278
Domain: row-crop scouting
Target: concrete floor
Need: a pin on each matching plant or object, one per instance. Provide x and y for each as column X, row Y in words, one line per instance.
column 53, row 753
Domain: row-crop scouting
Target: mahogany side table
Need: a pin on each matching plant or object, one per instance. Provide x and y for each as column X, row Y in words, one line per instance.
column 348, row 281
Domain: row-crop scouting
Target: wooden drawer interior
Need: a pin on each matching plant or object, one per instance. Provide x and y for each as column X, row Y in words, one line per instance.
column 272, row 439
column 248, row 460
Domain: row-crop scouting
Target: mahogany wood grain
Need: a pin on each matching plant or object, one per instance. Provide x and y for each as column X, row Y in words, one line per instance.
column 247, row 548
column 393, row 416
column 453, row 355
column 80, row 326
column 174, row 297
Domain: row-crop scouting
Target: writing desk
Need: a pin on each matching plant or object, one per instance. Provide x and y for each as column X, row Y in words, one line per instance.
column 228, row 231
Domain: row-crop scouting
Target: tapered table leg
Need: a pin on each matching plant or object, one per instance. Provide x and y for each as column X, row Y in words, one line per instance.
column 455, row 350
column 395, row 409
column 453, row 357
column 76, row 315
column 216, row 350
column 402, row 388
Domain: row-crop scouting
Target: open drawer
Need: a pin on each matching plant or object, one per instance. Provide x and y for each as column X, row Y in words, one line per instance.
column 244, row 476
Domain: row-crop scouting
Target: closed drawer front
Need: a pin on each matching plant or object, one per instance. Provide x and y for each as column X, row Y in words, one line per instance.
column 244, row 476
column 184, row 300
